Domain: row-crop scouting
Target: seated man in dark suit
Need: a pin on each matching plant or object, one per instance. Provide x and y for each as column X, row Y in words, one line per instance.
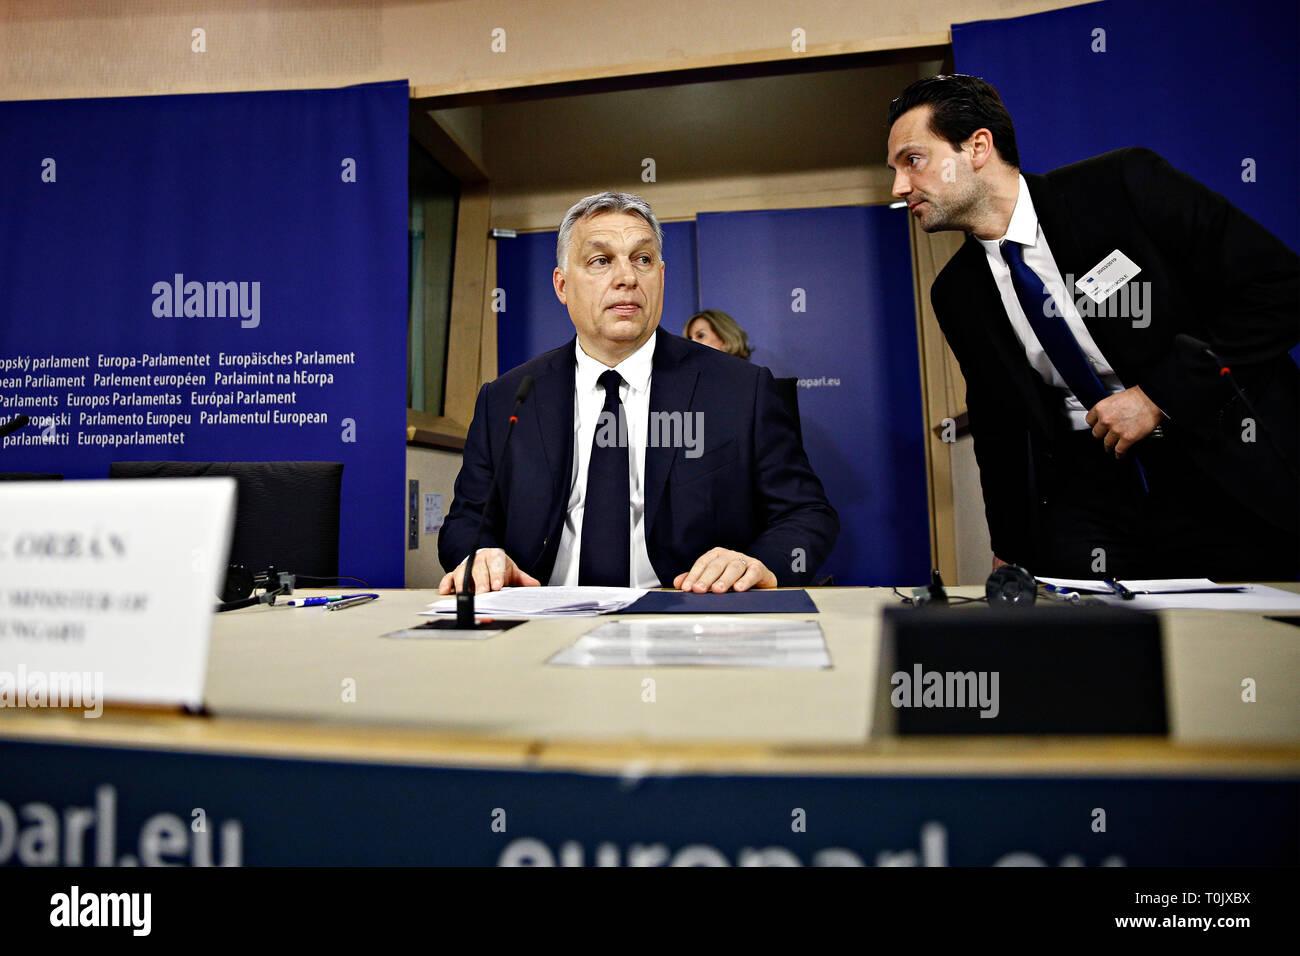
column 1108, row 441
column 640, row 459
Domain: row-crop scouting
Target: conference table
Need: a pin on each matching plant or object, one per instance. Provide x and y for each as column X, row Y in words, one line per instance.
column 324, row 742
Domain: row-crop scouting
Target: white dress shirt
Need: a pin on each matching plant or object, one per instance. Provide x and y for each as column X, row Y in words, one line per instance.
column 588, row 400
column 1025, row 229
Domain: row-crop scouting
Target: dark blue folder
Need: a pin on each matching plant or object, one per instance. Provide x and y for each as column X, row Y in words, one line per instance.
column 770, row 601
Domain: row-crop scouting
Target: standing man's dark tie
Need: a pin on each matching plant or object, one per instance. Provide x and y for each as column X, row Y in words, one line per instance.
column 606, row 552
column 1047, row 319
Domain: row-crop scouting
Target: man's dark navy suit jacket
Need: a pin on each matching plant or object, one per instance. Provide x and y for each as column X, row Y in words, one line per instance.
column 750, row 487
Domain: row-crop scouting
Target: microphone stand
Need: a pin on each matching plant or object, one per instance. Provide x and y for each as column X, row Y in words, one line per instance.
column 465, row 620
column 1196, row 345
column 11, row 426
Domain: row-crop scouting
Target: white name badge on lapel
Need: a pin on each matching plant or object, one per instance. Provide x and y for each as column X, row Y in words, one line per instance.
column 1112, row 273
column 107, row 589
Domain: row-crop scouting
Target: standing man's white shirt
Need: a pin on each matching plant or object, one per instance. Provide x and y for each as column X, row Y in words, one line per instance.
column 588, row 400
column 1025, row 229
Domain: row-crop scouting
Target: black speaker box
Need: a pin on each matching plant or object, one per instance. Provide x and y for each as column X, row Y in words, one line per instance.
column 1054, row 669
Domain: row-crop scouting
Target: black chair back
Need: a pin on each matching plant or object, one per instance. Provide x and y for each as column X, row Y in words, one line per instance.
column 286, row 512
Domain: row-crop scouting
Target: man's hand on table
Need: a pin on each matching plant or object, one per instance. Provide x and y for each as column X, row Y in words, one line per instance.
column 720, row 570
column 717, row 570
column 493, row 570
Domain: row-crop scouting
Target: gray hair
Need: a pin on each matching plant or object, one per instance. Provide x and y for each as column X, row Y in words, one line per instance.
column 597, row 204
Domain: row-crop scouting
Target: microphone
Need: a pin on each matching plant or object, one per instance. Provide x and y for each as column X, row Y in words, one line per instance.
column 1194, row 346
column 935, row 593
column 1191, row 345
column 465, row 597
column 11, row 426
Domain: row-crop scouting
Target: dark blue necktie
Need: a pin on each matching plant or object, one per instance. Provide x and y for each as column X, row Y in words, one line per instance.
column 1047, row 319
column 605, row 556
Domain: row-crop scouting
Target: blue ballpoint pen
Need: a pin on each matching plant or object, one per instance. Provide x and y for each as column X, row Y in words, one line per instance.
column 1061, row 593
column 328, row 599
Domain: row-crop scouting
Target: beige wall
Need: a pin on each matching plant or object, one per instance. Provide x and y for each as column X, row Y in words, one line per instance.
column 974, row 553
column 436, row 470
column 69, row 48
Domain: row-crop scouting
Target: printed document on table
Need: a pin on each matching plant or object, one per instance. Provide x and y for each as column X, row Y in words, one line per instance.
column 729, row 641
column 544, row 602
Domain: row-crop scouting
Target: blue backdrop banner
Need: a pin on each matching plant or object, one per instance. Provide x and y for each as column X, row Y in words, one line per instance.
column 1209, row 85
column 217, row 277
column 826, row 297
column 1195, row 80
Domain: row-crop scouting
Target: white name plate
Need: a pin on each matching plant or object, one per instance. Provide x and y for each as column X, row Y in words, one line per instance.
column 107, row 589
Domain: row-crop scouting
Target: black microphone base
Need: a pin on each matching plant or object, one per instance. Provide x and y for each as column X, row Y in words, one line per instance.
column 453, row 625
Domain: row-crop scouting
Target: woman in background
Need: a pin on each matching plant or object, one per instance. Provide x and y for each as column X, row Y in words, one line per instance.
column 717, row 330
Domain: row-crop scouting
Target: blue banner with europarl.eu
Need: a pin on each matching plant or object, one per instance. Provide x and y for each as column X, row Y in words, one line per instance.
column 83, row 806
column 215, row 277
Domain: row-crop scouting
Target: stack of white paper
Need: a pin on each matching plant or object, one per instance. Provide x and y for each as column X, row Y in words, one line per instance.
column 731, row 641
column 1190, row 593
column 1249, row 597
column 1146, row 586
column 544, row 602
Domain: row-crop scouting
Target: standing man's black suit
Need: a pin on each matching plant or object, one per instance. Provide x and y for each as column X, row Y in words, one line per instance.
column 1219, row 504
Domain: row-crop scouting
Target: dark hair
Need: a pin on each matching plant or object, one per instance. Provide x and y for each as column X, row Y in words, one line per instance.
column 595, row 205
column 962, row 104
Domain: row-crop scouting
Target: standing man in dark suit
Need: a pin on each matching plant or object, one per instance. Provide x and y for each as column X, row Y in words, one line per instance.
column 641, row 459
column 1108, row 445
